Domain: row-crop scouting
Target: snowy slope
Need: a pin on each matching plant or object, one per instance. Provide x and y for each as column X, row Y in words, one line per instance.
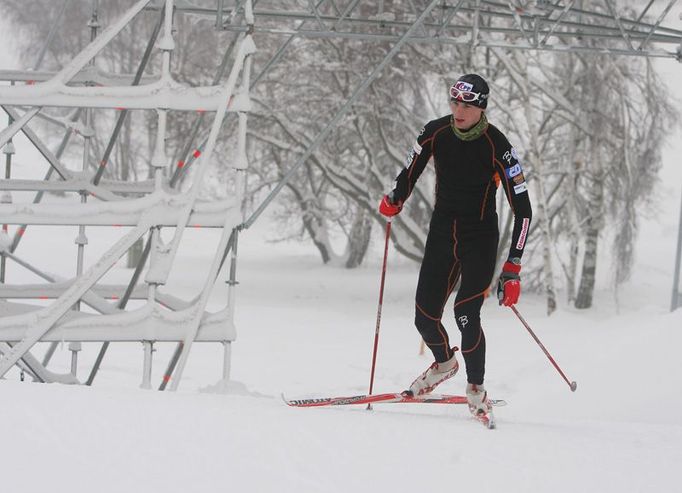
column 306, row 329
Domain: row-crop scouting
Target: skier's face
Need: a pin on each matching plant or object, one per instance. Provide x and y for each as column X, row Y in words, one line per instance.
column 465, row 115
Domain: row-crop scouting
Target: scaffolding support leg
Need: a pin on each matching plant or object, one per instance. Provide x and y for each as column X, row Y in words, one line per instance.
column 147, row 368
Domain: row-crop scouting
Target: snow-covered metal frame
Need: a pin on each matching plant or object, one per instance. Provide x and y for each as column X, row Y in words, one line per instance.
column 555, row 25
column 145, row 207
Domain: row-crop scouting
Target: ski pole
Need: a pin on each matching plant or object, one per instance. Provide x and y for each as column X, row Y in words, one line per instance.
column 572, row 384
column 381, row 302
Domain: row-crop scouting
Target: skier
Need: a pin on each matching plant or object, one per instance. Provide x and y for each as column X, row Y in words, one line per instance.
column 471, row 158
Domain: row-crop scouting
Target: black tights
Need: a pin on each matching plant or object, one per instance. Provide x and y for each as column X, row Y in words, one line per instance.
column 456, row 249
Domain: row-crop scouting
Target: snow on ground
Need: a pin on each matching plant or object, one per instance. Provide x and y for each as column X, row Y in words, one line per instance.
column 307, row 329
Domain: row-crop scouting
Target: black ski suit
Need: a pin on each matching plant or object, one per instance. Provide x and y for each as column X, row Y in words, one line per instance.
column 463, row 233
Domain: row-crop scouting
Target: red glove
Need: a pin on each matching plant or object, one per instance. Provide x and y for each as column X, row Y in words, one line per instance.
column 509, row 285
column 388, row 208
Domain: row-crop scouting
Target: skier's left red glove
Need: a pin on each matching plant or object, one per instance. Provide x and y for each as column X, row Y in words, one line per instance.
column 509, row 284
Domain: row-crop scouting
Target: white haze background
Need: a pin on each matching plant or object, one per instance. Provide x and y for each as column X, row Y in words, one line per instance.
column 307, row 329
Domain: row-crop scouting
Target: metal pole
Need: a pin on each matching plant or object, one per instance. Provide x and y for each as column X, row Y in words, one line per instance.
column 147, row 367
column 572, row 384
column 82, row 239
column 98, row 176
column 219, row 15
column 6, row 196
column 171, row 366
column 678, row 258
column 381, row 303
column 227, row 357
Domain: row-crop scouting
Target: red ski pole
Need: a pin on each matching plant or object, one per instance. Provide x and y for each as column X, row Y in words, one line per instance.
column 381, row 302
column 572, row 384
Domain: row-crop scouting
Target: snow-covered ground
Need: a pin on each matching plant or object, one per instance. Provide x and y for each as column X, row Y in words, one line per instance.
column 306, row 329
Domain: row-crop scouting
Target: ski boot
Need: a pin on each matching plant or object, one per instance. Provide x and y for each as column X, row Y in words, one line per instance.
column 434, row 375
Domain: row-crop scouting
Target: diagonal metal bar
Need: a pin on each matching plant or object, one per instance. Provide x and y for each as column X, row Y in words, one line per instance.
column 82, row 59
column 17, row 125
column 519, row 22
column 186, row 159
column 186, row 163
column 38, row 144
column 171, row 366
column 333, row 4
column 344, row 14
column 557, row 22
column 446, row 22
column 646, row 9
column 178, row 350
column 280, row 51
column 239, row 5
column 48, row 316
column 316, row 13
column 91, row 298
column 121, row 305
column 50, row 36
column 39, row 196
column 124, row 114
column 340, row 113
column 658, row 23
column 6, row 347
column 242, row 62
column 616, row 18
column 415, row 11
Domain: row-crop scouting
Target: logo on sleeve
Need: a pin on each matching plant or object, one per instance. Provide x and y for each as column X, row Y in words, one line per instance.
column 417, row 148
column 514, row 170
column 520, row 188
column 524, row 232
column 511, row 154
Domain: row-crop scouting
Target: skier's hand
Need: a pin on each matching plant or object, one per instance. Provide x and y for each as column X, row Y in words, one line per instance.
column 388, row 207
column 509, row 284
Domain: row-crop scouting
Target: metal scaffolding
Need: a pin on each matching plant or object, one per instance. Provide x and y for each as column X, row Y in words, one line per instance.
column 525, row 25
column 145, row 207
column 148, row 206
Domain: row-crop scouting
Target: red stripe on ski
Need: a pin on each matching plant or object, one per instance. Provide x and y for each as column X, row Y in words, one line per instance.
column 382, row 398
